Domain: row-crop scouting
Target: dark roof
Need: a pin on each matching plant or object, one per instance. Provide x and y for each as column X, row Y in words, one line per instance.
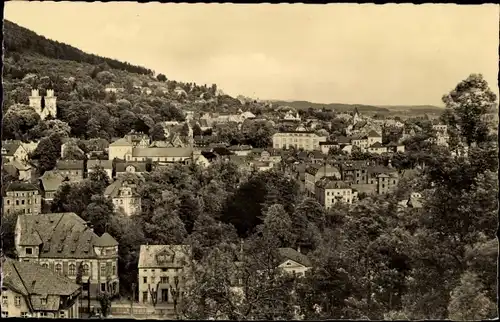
column 328, row 143
column 105, row 164
column 331, row 183
column 33, row 279
column 139, row 166
column 343, row 139
column 290, row 253
column 376, row 145
column 222, row 151
column 51, row 180
column 11, row 146
column 373, row 134
column 69, row 165
column 61, row 235
column 21, row 186
column 106, row 240
column 307, row 132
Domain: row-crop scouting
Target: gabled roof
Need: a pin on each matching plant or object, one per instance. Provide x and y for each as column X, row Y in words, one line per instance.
column 51, row 180
column 121, row 142
column 139, row 166
column 106, row 240
column 11, row 147
column 373, row 134
column 113, row 189
column 148, row 255
column 33, row 279
column 290, row 253
column 376, row 145
column 331, row 183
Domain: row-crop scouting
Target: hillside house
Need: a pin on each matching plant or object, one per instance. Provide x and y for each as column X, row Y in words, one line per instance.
column 14, row 150
column 50, row 183
column 327, row 145
column 294, row 262
column 241, row 150
column 377, row 148
column 121, row 147
column 395, row 147
column 123, row 168
column 329, row 191
column 22, row 197
column 162, row 272
column 124, row 196
column 30, row 290
column 62, row 242
column 19, row 169
column 161, row 155
column 71, row 169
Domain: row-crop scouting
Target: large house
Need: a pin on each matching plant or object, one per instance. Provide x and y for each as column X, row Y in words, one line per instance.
column 124, row 196
column 22, row 197
column 162, row 271
column 293, row 262
column 106, row 165
column 71, row 169
column 121, row 147
column 329, row 191
column 30, row 290
column 63, row 243
column 50, row 183
column 18, row 169
column 306, row 140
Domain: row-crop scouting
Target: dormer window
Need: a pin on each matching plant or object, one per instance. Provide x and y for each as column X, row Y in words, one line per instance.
column 29, row 251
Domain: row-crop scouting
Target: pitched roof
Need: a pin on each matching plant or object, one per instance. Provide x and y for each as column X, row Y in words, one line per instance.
column 51, row 180
column 30, row 279
column 376, row 145
column 139, row 166
column 373, row 134
column 162, row 152
column 69, row 165
column 121, row 142
column 21, row 186
column 61, row 235
column 290, row 253
column 343, row 140
column 11, row 147
column 106, row 240
column 148, row 255
column 105, row 164
column 18, row 165
column 113, row 189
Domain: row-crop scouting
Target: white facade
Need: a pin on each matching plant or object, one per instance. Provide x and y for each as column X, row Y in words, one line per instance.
column 308, row 141
column 50, row 107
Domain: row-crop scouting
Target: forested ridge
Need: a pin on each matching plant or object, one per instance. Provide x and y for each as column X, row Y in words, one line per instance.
column 19, row 39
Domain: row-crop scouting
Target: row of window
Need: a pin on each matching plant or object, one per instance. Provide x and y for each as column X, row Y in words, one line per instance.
column 163, row 279
column 344, row 192
column 26, row 211
column 23, row 202
column 30, row 193
column 85, row 269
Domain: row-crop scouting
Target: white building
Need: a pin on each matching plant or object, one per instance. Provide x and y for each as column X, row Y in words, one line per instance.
column 330, row 191
column 308, row 141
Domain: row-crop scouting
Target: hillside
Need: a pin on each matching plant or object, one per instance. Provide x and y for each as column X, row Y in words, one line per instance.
column 22, row 40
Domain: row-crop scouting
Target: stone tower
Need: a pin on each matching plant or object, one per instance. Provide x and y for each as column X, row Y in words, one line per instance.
column 36, row 101
column 50, row 103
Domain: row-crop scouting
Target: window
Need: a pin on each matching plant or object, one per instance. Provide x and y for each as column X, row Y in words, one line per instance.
column 22, row 202
column 5, row 314
column 163, row 269
column 144, row 296
column 58, row 268
column 43, row 314
column 45, row 265
column 17, row 202
column 114, row 269
column 383, row 186
column 145, row 280
column 72, row 269
column 164, row 279
column 62, row 314
column 5, row 300
column 17, row 301
column 29, row 251
column 103, row 269
column 103, row 287
column 24, row 314
column 85, row 270
column 8, row 202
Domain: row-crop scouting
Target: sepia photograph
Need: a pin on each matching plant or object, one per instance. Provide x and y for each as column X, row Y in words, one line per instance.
column 244, row 162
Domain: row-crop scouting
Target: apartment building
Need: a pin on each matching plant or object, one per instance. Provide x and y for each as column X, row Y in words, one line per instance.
column 71, row 169
column 315, row 172
column 22, row 197
column 64, row 243
column 306, row 140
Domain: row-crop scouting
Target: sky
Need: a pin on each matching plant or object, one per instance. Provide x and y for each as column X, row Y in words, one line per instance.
column 337, row 53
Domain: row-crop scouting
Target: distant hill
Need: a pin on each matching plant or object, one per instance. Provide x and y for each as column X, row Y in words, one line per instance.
column 339, row 107
column 304, row 105
column 22, row 40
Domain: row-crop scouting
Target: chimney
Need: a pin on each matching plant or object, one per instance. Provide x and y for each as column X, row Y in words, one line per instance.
column 33, row 284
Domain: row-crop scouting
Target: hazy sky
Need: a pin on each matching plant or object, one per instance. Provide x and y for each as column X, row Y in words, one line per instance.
column 343, row 53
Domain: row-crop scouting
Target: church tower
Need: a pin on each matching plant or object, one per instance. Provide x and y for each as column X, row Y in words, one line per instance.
column 36, row 101
column 50, row 104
